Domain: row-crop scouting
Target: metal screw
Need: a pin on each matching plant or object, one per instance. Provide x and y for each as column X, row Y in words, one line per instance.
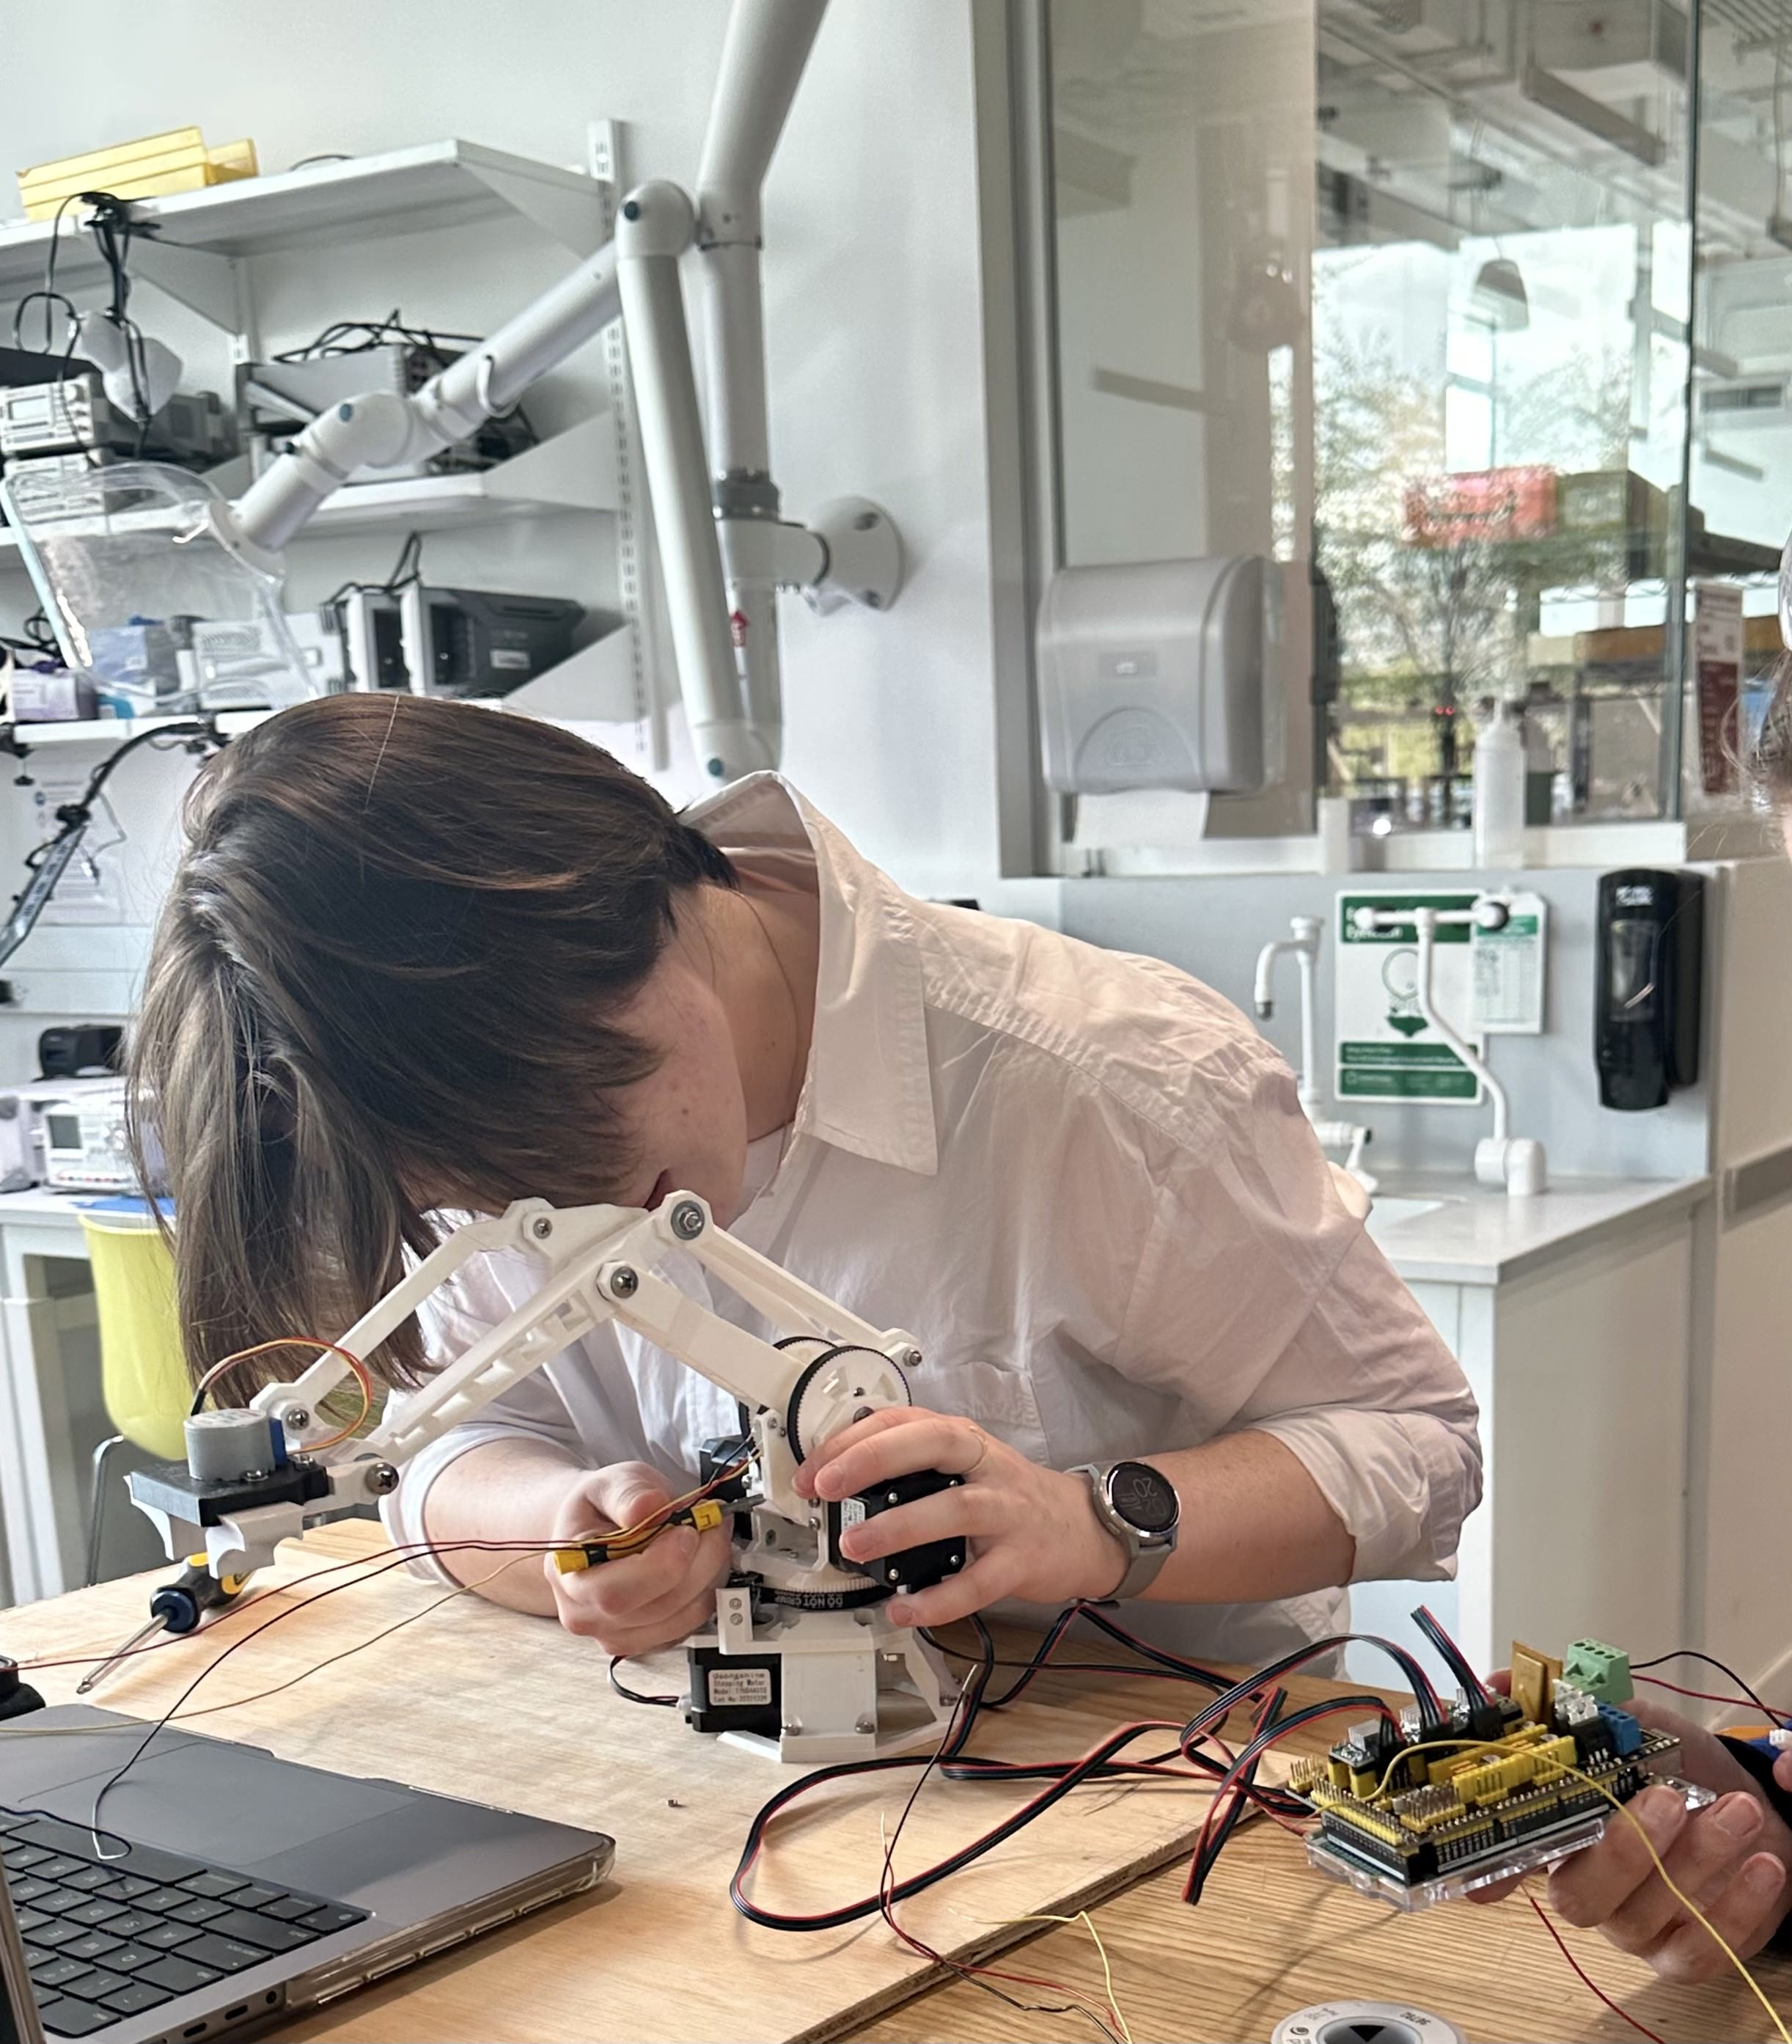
column 382, row 1479
column 623, row 1283
column 911, row 1359
column 687, row 1220
column 890, row 1573
column 792, row 1724
column 867, row 1723
column 297, row 1417
column 892, row 1498
column 541, row 1227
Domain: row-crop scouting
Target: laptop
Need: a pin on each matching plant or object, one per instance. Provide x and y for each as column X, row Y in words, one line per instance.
column 226, row 1889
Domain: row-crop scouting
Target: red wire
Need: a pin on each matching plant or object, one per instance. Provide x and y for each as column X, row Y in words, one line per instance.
column 1216, row 1803
column 1587, row 1978
column 1706, row 1696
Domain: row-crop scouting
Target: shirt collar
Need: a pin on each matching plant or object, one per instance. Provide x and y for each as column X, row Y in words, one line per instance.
column 869, row 1089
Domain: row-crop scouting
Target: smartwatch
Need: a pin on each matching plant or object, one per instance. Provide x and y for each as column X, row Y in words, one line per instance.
column 1138, row 1505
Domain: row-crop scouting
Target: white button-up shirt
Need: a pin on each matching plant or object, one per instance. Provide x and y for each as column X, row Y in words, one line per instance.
column 1086, row 1186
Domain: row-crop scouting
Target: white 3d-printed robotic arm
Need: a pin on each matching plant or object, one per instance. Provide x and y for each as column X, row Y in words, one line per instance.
column 810, row 1621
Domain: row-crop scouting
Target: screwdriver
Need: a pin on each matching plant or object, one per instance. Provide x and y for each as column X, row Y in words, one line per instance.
column 176, row 1607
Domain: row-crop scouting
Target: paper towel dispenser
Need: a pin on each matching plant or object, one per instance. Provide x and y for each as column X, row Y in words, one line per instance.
column 1152, row 675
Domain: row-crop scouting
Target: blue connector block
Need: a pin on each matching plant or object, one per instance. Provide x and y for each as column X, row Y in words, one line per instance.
column 1627, row 1735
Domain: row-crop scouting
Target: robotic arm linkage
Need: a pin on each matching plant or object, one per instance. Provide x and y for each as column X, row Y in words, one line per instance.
column 814, row 1660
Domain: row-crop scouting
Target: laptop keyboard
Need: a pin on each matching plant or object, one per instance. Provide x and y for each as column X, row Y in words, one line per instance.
column 107, row 1939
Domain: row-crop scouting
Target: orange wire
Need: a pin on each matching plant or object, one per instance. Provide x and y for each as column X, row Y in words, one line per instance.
column 362, row 1378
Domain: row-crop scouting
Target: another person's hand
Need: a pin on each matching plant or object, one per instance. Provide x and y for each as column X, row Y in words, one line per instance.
column 647, row 1601
column 1733, row 1859
column 1034, row 1532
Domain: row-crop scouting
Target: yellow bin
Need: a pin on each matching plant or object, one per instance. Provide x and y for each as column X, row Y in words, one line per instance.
column 143, row 1373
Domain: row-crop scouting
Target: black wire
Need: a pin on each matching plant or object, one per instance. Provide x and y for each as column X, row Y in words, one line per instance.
column 405, row 570
column 1711, row 1661
column 336, row 339
column 636, row 1696
column 46, row 290
column 1431, row 1715
column 1453, row 1657
column 1208, row 1858
column 76, row 814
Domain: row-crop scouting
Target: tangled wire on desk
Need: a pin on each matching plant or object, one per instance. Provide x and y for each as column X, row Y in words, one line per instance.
column 1191, row 1749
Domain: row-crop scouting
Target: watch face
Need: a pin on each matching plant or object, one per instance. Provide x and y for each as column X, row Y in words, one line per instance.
column 1142, row 1497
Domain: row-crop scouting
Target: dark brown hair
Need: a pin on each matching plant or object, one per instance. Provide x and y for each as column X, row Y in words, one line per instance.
column 388, row 973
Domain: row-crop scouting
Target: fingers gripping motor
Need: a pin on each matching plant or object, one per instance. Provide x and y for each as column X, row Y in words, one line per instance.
column 841, row 1384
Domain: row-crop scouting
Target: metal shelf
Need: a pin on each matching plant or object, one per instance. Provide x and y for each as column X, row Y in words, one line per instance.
column 188, row 240
column 594, row 685
column 573, row 471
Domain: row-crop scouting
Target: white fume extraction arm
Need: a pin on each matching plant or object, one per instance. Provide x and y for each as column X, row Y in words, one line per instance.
column 723, row 553
column 1303, row 944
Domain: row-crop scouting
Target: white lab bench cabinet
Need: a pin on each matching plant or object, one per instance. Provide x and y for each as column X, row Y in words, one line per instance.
column 1572, row 1315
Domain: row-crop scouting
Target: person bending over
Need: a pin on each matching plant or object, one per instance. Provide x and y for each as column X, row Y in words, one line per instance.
column 421, row 958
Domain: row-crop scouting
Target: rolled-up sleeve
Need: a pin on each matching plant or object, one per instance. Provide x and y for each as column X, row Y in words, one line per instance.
column 1260, row 1300
column 532, row 1409
column 1381, row 1416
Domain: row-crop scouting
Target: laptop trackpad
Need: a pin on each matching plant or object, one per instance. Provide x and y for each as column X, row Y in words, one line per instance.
column 226, row 1805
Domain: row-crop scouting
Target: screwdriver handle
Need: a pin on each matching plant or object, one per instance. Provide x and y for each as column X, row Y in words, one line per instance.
column 183, row 1603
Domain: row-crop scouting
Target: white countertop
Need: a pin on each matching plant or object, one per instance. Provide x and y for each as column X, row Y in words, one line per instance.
column 39, row 1204
column 1477, row 1234
column 1467, row 1233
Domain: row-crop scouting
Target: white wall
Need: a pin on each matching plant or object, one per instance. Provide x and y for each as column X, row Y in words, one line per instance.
column 873, row 285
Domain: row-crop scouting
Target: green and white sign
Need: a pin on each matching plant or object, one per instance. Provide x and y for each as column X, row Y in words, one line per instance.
column 1508, row 970
column 1386, row 1048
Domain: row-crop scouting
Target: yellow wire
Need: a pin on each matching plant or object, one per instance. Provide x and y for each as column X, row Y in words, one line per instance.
column 1636, row 1823
column 1083, row 1917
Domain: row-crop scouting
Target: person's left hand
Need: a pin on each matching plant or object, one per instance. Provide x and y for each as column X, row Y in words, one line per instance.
column 1733, row 1859
column 1033, row 1531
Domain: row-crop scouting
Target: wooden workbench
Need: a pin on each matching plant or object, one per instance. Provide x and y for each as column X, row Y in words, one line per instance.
column 471, row 1699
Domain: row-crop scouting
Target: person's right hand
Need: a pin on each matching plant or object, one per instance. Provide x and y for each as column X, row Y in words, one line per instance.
column 647, row 1601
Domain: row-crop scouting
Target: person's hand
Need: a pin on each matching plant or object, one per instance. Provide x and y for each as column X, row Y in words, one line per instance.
column 1733, row 1859
column 647, row 1600
column 1033, row 1531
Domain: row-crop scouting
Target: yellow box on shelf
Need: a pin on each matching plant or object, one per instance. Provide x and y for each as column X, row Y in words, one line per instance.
column 152, row 167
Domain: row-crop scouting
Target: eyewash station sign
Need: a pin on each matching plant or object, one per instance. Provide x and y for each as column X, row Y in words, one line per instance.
column 1483, row 982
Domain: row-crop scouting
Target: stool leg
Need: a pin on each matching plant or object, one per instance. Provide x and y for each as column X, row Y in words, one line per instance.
column 96, row 1515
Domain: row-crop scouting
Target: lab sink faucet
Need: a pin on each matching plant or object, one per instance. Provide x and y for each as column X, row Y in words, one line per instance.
column 1304, row 945
column 1515, row 1161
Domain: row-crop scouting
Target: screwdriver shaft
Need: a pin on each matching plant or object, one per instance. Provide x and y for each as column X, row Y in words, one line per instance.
column 90, row 1682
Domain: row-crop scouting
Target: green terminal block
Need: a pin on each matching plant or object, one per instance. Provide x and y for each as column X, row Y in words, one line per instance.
column 1601, row 1670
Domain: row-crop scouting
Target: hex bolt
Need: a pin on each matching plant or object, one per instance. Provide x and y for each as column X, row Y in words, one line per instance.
column 687, row 1220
